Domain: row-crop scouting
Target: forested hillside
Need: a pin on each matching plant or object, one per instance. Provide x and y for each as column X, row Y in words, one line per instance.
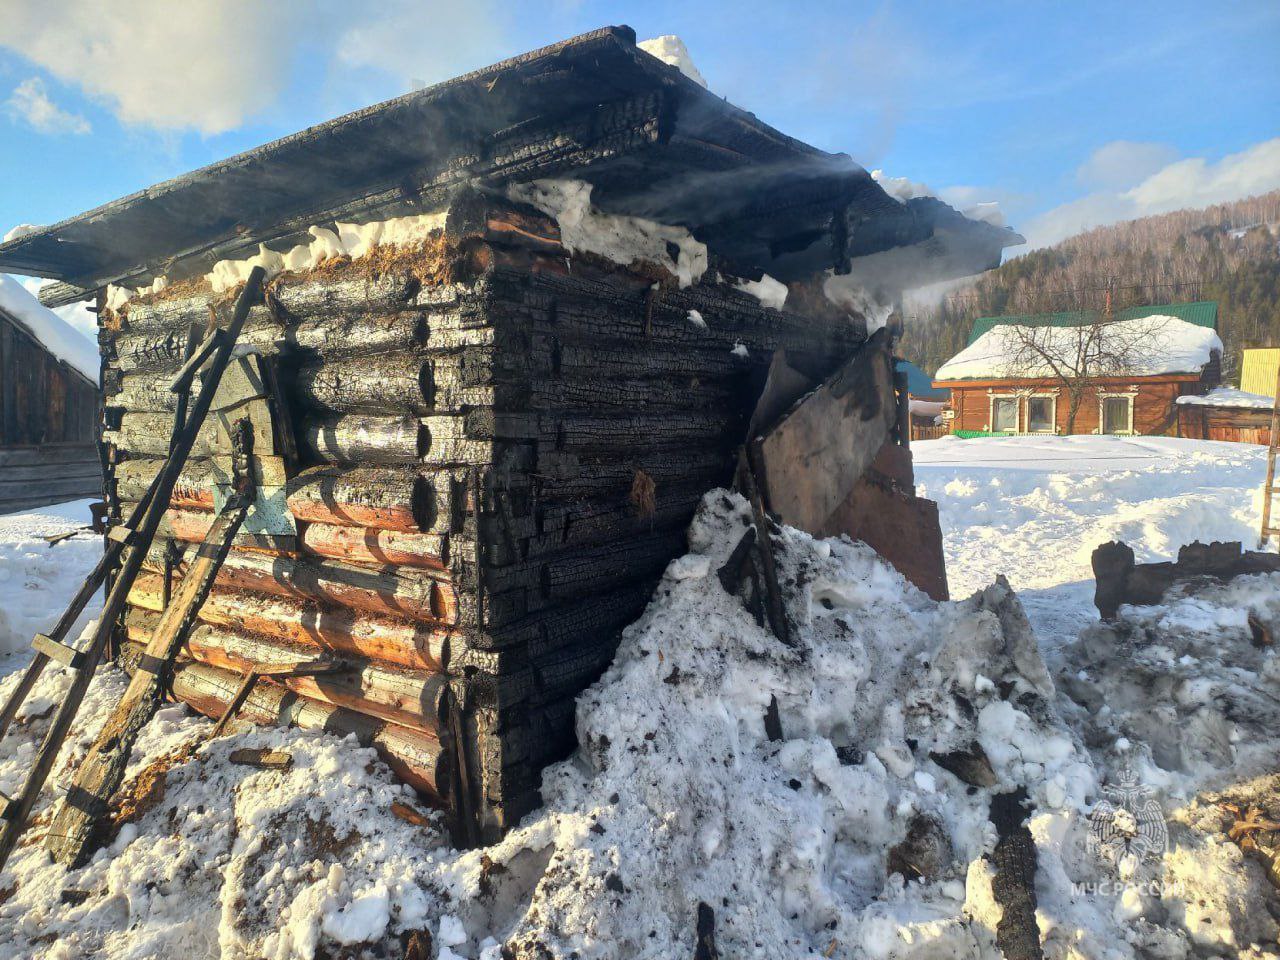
column 1229, row 253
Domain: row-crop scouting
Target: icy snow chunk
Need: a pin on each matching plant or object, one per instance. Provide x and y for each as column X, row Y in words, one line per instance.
column 740, row 350
column 770, row 292
column 452, row 932
column 696, row 319
column 689, row 567
column 363, row 919
column 624, row 240
column 671, row 49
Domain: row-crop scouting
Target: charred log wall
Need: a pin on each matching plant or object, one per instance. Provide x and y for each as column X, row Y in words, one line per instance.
column 500, row 447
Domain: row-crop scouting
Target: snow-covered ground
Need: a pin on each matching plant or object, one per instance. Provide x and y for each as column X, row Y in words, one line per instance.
column 799, row 841
column 1034, row 508
column 37, row 578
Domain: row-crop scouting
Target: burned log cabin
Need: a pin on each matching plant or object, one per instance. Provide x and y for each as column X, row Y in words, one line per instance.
column 515, row 327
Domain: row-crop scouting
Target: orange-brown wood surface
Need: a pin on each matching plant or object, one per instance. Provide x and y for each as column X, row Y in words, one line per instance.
column 366, row 545
column 408, row 697
column 1154, row 408
column 416, row 594
column 1234, row 425
column 402, row 642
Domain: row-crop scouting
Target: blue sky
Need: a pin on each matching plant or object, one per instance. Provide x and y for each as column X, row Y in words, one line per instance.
column 1068, row 114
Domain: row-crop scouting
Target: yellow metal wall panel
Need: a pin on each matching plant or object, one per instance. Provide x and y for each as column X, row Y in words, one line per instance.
column 1258, row 370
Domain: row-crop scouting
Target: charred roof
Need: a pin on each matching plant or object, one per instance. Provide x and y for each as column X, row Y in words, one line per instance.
column 653, row 143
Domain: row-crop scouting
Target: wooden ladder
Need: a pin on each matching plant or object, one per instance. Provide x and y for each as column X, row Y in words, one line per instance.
column 1269, row 488
column 127, row 544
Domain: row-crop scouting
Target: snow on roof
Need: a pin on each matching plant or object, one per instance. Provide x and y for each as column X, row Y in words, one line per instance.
column 58, row 337
column 1165, row 345
column 671, row 49
column 1229, row 397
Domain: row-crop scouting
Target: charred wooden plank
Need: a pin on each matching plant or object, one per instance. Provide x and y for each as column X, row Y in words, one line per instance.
column 297, row 296
column 165, row 349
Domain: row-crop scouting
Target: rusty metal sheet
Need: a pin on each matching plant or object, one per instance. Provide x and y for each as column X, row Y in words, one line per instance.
column 809, row 463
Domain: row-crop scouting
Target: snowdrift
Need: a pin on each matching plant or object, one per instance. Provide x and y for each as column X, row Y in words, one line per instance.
column 830, row 798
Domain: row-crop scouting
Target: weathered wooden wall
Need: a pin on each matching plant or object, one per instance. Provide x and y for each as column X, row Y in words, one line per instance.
column 50, row 473
column 1154, row 408
column 1235, row 425
column 42, row 400
column 47, row 411
column 472, row 421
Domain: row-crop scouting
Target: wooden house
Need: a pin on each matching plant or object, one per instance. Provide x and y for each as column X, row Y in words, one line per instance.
column 518, row 323
column 1022, row 374
column 48, row 406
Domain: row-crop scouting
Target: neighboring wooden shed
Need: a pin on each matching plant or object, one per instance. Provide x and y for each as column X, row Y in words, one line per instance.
column 48, row 407
column 503, row 424
column 1228, row 414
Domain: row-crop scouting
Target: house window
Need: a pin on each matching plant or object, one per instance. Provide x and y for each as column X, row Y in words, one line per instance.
column 1117, row 414
column 1041, row 414
column 1004, row 414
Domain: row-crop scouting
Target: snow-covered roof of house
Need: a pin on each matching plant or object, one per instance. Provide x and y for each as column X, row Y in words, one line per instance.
column 58, row 337
column 1204, row 313
column 651, row 141
column 1229, row 397
column 1156, row 346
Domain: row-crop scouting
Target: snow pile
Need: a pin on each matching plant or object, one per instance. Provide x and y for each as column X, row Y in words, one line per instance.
column 354, row 240
column 671, row 49
column 218, row 859
column 1142, row 347
column 22, row 230
column 1229, row 397
column 770, row 292
column 679, row 796
column 36, row 579
column 798, row 827
column 926, row 408
column 58, row 336
column 624, row 240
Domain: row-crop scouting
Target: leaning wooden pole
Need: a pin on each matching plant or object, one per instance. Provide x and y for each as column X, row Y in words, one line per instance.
column 73, row 830
column 18, row 811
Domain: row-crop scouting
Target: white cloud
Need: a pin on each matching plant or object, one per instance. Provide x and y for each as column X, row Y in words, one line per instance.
column 30, row 103
column 1122, row 163
column 1188, row 183
column 421, row 42
column 209, row 65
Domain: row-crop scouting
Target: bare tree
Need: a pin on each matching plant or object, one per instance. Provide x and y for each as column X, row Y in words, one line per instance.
column 1073, row 359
